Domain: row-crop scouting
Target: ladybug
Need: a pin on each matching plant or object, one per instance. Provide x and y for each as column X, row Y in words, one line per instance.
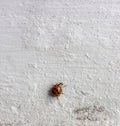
column 56, row 90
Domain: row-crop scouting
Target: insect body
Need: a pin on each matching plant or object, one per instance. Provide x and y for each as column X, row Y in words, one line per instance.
column 56, row 90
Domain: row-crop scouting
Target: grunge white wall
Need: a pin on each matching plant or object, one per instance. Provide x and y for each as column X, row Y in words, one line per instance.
column 76, row 42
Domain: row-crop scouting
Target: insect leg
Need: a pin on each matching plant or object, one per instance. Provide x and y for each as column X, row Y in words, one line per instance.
column 60, row 84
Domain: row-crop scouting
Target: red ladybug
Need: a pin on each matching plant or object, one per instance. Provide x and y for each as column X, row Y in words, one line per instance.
column 56, row 90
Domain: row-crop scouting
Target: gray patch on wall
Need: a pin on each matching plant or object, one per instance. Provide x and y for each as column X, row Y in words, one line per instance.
column 94, row 115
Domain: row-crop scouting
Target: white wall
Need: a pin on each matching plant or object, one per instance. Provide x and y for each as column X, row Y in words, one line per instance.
column 76, row 42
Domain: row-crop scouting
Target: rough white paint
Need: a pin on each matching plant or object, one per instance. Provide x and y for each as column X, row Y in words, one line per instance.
column 76, row 42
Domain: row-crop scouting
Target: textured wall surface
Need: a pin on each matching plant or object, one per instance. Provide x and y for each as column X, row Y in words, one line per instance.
column 76, row 42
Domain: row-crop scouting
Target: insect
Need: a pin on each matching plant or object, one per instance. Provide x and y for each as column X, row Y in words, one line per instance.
column 56, row 90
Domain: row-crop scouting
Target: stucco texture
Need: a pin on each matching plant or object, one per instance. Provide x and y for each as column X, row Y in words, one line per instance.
column 76, row 42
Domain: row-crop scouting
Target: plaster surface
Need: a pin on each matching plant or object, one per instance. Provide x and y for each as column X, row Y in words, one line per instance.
column 76, row 42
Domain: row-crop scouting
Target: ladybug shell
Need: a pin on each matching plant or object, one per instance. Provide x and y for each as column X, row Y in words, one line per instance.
column 56, row 90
